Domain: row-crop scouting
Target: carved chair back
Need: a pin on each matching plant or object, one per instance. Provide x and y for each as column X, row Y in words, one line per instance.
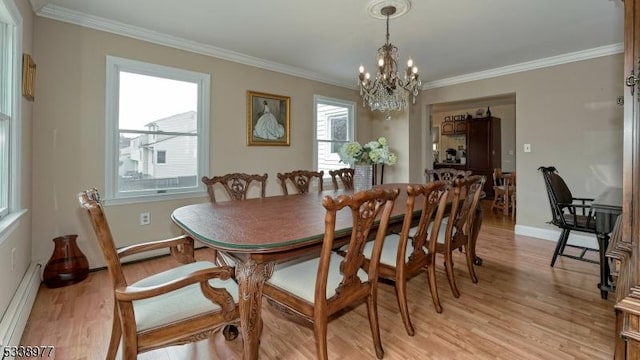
column 236, row 184
column 346, row 178
column 446, row 174
column 301, row 180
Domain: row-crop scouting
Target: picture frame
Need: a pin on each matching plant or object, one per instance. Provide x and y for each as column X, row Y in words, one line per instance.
column 268, row 119
column 456, row 118
column 28, row 77
column 447, row 118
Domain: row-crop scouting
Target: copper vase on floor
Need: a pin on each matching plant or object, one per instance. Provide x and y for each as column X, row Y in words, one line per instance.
column 67, row 265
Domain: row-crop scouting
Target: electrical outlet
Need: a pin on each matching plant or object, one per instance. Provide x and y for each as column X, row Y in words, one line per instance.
column 13, row 259
column 145, row 218
column 527, row 147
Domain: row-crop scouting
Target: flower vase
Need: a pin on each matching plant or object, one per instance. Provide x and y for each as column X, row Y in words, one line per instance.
column 362, row 177
column 67, row 265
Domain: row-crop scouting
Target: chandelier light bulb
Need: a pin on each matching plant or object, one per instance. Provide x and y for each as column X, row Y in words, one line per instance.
column 367, row 76
column 414, row 70
column 380, row 62
column 361, row 68
column 410, row 63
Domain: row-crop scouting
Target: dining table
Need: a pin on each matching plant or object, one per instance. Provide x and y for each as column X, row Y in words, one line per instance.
column 261, row 232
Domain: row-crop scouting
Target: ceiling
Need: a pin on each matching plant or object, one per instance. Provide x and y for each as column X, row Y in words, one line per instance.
column 450, row 41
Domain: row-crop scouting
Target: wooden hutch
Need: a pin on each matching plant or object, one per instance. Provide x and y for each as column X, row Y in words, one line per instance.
column 624, row 248
column 483, row 147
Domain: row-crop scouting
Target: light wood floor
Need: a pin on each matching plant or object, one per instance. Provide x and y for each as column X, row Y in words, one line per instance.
column 520, row 309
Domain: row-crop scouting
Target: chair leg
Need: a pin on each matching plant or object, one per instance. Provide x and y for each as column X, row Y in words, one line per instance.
column 450, row 277
column 401, row 296
column 472, row 270
column 433, row 286
column 564, row 235
column 372, row 310
column 116, row 334
column 320, row 332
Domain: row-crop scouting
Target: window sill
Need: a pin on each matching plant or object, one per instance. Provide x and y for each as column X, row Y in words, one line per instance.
column 154, row 198
column 9, row 223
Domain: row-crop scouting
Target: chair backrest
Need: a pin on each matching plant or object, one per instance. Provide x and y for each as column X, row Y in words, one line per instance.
column 432, row 198
column 236, row 184
column 446, row 174
column 90, row 201
column 346, row 177
column 470, row 190
column 301, row 180
column 498, row 179
column 557, row 191
column 365, row 207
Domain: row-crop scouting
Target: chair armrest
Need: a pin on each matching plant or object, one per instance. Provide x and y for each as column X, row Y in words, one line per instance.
column 132, row 293
column 583, row 199
column 181, row 248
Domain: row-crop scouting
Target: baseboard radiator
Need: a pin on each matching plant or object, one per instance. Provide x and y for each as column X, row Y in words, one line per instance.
column 15, row 318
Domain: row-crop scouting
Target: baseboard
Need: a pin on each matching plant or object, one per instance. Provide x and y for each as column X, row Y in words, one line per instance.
column 577, row 239
column 15, row 318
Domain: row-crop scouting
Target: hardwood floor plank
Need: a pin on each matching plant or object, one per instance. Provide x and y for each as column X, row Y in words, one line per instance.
column 520, row 309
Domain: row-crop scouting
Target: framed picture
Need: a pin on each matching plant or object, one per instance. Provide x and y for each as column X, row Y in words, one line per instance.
column 456, row 118
column 268, row 119
column 447, row 118
column 28, row 77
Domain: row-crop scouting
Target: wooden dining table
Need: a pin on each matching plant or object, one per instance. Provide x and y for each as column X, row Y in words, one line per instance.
column 261, row 232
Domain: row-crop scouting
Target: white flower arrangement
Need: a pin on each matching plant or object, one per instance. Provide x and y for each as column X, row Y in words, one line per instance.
column 373, row 152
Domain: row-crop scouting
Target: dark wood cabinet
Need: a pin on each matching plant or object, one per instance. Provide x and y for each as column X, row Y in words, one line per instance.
column 625, row 244
column 484, row 150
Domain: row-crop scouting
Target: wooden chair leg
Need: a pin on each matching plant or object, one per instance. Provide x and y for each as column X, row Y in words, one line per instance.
column 320, row 332
column 372, row 310
column 401, row 296
column 433, row 286
column 450, row 276
column 472, row 270
column 116, row 335
column 560, row 246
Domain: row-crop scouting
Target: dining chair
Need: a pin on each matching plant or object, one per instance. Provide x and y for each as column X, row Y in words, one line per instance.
column 446, row 174
column 568, row 213
column 323, row 286
column 499, row 190
column 407, row 254
column 184, row 304
column 301, row 180
column 458, row 232
column 235, row 184
column 345, row 175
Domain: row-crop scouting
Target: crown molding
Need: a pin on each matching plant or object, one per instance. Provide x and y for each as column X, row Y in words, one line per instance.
column 43, row 8
column 93, row 22
column 529, row 65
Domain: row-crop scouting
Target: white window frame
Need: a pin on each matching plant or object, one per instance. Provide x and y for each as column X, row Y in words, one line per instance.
column 114, row 66
column 319, row 99
column 10, row 107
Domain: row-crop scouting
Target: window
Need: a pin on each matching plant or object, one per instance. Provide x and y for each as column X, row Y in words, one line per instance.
column 335, row 125
column 10, row 65
column 156, row 115
column 161, row 157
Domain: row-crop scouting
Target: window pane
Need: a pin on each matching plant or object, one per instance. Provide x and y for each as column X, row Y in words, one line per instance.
column 138, row 172
column 334, row 127
column 146, row 100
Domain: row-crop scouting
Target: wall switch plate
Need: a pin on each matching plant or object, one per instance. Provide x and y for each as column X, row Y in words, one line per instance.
column 145, row 218
column 527, row 147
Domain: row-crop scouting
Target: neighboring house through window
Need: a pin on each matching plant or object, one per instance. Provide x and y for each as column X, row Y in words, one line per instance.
column 157, row 133
column 335, row 125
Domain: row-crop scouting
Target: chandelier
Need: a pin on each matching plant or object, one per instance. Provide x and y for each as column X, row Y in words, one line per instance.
column 388, row 91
